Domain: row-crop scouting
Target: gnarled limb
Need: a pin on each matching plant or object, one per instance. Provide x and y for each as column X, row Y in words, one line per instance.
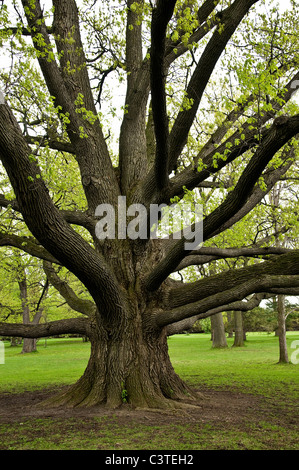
column 44, row 330
column 240, row 305
column 132, row 140
column 85, row 306
column 160, row 19
column 190, row 178
column 28, row 245
column 207, row 254
column 285, row 265
column 47, row 223
column 203, row 308
column 69, row 89
column 230, row 20
column 276, row 138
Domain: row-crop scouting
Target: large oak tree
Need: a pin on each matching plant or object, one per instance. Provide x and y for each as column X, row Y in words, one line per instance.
column 176, row 138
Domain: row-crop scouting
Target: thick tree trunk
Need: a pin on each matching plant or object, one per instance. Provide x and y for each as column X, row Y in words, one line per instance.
column 130, row 367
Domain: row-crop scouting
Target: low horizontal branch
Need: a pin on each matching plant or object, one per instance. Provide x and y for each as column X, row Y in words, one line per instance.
column 55, row 328
column 240, row 305
column 204, row 307
column 207, row 254
column 284, row 265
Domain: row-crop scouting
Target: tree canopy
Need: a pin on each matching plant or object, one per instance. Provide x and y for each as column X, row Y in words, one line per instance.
column 149, row 104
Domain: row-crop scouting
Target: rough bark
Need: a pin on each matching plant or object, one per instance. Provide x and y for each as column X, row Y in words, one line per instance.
column 132, row 367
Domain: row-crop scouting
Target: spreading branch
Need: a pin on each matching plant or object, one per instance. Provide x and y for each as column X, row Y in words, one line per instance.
column 285, row 265
column 230, row 20
column 85, row 306
column 67, row 87
column 247, row 137
column 28, row 245
column 206, row 254
column 132, row 139
column 204, row 307
column 277, row 137
column 78, row 326
column 239, row 305
column 45, row 221
column 160, row 19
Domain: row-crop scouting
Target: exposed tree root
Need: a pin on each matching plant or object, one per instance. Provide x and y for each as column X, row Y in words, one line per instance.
column 76, row 397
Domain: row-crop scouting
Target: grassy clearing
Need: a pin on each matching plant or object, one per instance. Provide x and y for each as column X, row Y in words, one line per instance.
column 252, row 369
column 56, row 362
column 100, row 434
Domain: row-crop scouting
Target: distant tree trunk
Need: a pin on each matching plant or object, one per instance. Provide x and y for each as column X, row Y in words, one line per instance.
column 239, row 333
column 283, row 351
column 230, row 328
column 29, row 344
column 218, row 332
column 281, row 317
column 14, row 341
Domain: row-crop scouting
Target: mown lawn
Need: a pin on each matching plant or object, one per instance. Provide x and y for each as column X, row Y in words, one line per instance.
column 251, row 371
column 253, row 368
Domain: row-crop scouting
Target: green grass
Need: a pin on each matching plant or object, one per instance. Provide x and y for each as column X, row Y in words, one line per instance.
column 252, row 369
column 99, row 434
column 56, row 362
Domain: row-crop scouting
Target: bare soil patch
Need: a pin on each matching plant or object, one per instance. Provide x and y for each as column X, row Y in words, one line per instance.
column 221, row 409
column 226, row 406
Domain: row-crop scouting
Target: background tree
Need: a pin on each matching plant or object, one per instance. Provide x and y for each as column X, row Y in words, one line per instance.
column 218, row 331
column 23, row 292
column 239, row 330
column 177, row 136
column 29, row 344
